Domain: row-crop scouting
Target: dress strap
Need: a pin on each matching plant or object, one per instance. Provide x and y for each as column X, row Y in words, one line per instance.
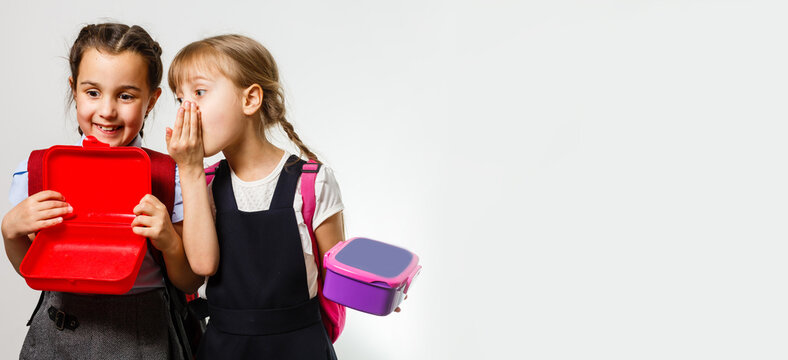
column 286, row 186
column 222, row 187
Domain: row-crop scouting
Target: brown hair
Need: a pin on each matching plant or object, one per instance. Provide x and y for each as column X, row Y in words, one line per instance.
column 245, row 62
column 115, row 39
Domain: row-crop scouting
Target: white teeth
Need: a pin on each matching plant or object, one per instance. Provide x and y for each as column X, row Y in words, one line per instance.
column 105, row 128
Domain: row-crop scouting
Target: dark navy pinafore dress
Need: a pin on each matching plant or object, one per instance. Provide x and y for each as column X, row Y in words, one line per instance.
column 259, row 299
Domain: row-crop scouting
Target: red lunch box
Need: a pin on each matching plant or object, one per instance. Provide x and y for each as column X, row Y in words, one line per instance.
column 94, row 249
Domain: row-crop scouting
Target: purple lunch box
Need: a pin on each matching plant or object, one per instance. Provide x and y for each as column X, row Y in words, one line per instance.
column 369, row 275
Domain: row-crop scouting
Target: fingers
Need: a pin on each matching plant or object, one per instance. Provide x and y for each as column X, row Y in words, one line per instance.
column 187, row 126
column 142, row 231
column 199, row 124
column 41, row 210
column 144, row 208
column 51, row 204
column 176, row 131
column 167, row 135
column 140, row 209
column 145, row 221
column 195, row 122
column 188, row 117
column 54, row 213
column 398, row 309
column 184, row 143
column 150, row 199
column 50, row 209
column 145, row 225
column 48, row 195
column 152, row 227
column 49, row 222
column 149, row 205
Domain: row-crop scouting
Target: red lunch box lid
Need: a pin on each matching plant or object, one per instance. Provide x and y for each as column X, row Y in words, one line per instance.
column 94, row 250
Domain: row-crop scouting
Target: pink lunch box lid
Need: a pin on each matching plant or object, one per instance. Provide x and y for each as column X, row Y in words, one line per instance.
column 372, row 262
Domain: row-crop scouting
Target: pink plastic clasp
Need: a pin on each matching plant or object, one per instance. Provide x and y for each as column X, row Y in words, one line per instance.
column 92, row 142
column 336, row 248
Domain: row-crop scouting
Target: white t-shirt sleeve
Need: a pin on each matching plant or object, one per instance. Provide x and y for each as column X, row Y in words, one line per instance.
column 328, row 201
column 177, row 208
column 18, row 191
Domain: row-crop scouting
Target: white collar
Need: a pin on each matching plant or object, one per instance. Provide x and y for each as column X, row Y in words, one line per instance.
column 137, row 142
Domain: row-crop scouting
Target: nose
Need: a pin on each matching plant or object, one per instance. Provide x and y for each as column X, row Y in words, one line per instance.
column 190, row 100
column 108, row 110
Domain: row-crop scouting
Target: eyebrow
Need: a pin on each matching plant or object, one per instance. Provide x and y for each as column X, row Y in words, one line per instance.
column 196, row 77
column 199, row 78
column 124, row 87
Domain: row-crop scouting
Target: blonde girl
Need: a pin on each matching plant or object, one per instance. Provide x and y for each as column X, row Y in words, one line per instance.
column 255, row 245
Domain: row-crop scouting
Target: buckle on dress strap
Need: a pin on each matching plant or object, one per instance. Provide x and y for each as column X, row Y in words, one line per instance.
column 62, row 320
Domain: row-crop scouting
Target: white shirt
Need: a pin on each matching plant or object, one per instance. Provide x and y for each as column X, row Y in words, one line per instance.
column 256, row 195
column 150, row 275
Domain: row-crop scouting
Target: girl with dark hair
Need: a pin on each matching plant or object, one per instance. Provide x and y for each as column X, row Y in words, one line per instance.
column 116, row 71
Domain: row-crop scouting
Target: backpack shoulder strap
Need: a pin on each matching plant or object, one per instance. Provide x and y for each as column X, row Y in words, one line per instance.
column 163, row 188
column 38, row 306
column 308, row 175
column 35, row 176
column 162, row 178
column 332, row 314
column 210, row 172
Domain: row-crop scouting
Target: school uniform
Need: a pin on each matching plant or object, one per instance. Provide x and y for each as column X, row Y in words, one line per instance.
column 136, row 325
column 262, row 299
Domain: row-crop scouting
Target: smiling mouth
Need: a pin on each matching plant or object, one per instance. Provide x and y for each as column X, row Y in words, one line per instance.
column 108, row 129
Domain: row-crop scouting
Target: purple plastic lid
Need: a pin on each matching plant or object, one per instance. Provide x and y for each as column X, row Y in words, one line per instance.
column 372, row 261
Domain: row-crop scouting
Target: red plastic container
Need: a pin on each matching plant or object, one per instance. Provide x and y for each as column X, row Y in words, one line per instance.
column 94, row 249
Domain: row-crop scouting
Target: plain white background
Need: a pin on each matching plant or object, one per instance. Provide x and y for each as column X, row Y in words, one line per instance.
column 582, row 179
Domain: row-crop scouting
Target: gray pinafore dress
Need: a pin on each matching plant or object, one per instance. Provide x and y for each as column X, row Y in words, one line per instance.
column 74, row 326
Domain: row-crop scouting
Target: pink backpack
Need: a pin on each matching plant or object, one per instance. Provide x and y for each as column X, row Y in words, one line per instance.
column 332, row 313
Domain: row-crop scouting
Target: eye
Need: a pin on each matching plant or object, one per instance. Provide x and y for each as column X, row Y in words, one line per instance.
column 126, row 97
column 179, row 100
column 92, row 93
column 200, row 92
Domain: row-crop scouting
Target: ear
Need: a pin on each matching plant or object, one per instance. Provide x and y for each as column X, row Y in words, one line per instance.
column 252, row 99
column 71, row 86
column 152, row 102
